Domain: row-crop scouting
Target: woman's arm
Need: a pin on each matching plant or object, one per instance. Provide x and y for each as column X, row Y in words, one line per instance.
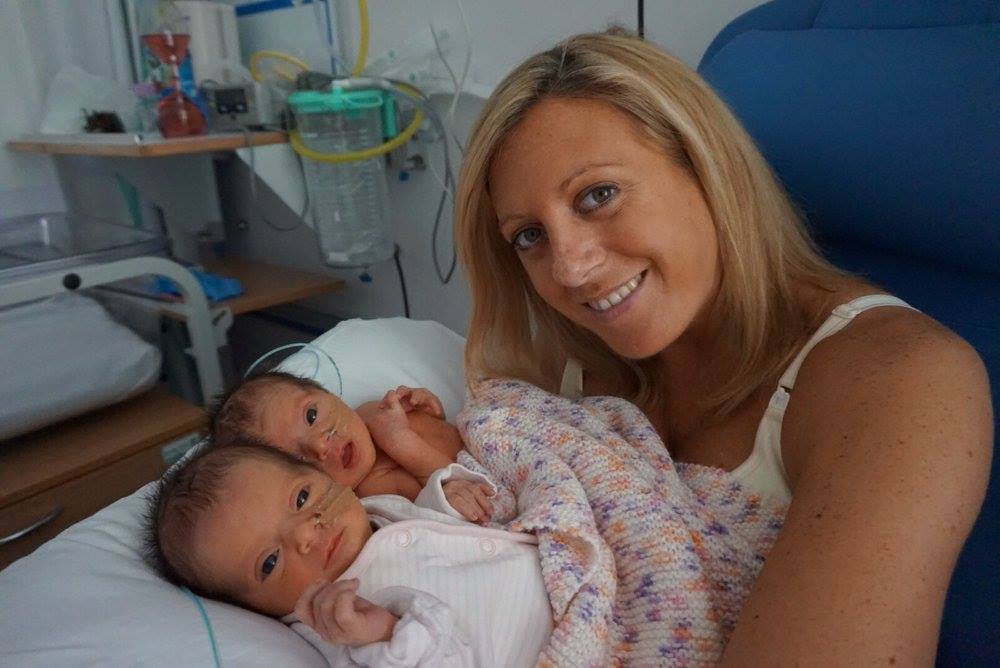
column 888, row 438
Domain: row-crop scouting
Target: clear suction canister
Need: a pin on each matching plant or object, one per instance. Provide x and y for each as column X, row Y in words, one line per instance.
column 348, row 192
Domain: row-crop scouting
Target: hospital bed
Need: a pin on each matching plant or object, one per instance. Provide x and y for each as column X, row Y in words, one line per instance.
column 882, row 119
column 883, row 125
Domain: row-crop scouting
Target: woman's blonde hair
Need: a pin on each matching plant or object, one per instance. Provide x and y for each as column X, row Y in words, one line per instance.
column 763, row 246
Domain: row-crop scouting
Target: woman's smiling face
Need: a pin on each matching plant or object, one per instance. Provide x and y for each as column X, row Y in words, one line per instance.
column 612, row 234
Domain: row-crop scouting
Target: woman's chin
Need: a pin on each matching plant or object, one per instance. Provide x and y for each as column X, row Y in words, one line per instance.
column 639, row 347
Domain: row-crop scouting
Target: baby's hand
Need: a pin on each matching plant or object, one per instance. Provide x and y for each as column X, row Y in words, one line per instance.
column 471, row 499
column 388, row 421
column 419, row 398
column 339, row 615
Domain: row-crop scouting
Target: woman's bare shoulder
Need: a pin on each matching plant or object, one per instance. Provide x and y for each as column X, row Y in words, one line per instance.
column 887, row 440
column 890, row 347
column 889, row 364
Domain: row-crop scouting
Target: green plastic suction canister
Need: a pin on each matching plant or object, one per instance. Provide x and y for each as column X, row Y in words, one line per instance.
column 340, row 135
column 352, row 102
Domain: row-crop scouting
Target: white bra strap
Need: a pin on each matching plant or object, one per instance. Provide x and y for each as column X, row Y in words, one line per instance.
column 572, row 380
column 839, row 318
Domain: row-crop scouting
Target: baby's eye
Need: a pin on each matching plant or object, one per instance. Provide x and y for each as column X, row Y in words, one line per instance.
column 269, row 563
column 526, row 238
column 302, row 497
column 311, row 414
column 598, row 197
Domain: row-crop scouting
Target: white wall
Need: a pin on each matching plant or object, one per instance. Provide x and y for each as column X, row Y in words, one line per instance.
column 504, row 33
column 687, row 27
column 37, row 37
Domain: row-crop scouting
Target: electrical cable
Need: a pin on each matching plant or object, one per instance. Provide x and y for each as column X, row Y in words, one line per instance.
column 444, row 277
column 465, row 67
column 456, row 83
column 402, row 281
column 248, row 140
column 447, row 186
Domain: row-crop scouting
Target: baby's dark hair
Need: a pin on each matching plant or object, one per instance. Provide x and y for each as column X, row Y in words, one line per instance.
column 237, row 412
column 182, row 498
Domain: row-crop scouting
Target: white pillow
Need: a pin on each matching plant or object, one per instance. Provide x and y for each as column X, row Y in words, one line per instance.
column 44, row 383
column 377, row 355
column 87, row 598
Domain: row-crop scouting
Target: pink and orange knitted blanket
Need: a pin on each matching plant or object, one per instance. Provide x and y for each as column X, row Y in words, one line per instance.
column 646, row 561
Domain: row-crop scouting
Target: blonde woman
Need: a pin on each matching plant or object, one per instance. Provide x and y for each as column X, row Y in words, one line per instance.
column 622, row 235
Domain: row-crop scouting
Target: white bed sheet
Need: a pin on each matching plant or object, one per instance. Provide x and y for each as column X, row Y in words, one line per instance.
column 87, row 598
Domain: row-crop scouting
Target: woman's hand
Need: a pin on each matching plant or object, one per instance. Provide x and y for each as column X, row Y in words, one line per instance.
column 470, row 499
column 339, row 615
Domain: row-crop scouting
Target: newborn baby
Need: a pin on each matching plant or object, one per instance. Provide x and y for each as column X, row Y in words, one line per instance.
column 366, row 582
column 392, row 446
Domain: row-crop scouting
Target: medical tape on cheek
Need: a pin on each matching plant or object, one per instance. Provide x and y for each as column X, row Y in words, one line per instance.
column 337, row 501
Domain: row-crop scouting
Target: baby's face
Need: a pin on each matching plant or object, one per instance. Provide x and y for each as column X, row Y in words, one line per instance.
column 320, row 428
column 276, row 529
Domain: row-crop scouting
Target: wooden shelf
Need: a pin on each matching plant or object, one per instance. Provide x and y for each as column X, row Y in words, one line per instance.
column 38, row 461
column 267, row 285
column 132, row 145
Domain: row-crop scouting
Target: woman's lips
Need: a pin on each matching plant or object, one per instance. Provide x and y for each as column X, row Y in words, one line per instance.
column 614, row 310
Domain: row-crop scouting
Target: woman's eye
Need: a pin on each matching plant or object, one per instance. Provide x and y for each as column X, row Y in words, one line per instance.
column 526, row 238
column 597, row 197
column 269, row 563
column 311, row 414
column 302, row 497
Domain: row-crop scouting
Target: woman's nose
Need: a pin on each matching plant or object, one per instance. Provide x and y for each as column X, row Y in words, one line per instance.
column 575, row 254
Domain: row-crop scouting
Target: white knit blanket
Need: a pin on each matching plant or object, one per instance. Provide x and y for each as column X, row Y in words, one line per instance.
column 646, row 561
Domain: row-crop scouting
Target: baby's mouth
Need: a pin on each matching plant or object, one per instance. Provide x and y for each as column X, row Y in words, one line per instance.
column 347, row 455
column 331, row 549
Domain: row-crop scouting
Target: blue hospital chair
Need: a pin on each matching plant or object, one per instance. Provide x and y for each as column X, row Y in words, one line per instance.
column 882, row 119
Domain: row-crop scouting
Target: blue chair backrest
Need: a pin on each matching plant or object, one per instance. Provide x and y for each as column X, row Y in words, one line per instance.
column 882, row 119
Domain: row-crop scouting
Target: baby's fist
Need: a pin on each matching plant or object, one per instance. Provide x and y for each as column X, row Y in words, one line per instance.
column 336, row 612
column 470, row 499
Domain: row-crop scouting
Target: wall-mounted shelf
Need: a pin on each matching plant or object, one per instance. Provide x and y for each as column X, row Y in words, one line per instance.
column 265, row 285
column 133, row 145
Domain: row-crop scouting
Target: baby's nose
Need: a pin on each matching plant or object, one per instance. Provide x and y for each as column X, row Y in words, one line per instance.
column 320, row 444
column 305, row 533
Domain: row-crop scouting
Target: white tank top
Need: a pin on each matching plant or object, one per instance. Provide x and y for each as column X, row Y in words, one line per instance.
column 763, row 471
